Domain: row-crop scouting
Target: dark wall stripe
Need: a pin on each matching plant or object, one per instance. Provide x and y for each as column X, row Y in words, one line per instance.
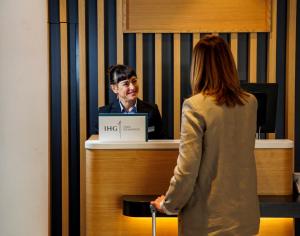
column 53, row 11
column 55, row 131
column 167, row 84
column 186, row 48
column 149, row 68
column 225, row 36
column 130, row 50
column 243, row 56
column 280, row 66
column 110, row 42
column 72, row 11
column 92, row 66
column 262, row 49
column 74, row 158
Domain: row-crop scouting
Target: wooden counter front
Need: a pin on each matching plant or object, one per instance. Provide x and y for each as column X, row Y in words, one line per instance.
column 112, row 173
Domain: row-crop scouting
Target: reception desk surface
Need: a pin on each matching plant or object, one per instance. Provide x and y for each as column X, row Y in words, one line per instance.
column 113, row 170
column 94, row 143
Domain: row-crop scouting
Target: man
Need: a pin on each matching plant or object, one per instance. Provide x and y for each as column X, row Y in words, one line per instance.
column 124, row 83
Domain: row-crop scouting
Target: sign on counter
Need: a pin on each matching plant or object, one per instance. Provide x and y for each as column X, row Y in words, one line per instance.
column 123, row 127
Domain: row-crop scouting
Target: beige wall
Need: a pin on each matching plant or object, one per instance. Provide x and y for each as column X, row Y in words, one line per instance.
column 24, row 118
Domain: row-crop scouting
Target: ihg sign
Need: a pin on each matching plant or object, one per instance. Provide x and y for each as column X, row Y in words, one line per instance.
column 114, row 128
column 122, row 127
column 109, row 128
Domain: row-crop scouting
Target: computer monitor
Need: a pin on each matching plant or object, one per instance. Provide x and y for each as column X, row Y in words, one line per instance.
column 266, row 95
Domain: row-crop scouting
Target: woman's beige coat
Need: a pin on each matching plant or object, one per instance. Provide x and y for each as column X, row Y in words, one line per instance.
column 214, row 183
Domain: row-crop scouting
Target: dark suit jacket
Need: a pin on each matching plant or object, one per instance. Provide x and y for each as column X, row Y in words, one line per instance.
column 155, row 130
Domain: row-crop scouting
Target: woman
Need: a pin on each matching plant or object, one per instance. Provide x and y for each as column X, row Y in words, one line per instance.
column 124, row 83
column 214, row 184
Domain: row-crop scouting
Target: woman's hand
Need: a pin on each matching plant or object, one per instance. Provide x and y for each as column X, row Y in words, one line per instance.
column 157, row 203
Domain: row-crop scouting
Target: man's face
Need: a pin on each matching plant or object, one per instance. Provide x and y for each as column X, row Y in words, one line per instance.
column 127, row 90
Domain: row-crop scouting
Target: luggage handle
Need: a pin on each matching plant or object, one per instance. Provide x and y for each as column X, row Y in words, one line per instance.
column 153, row 214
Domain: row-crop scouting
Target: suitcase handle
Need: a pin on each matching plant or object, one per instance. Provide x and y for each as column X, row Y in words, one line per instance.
column 153, row 213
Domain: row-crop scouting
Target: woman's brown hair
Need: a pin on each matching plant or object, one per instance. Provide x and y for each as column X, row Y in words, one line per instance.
column 213, row 72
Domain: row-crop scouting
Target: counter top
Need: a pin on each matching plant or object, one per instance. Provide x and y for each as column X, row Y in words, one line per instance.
column 95, row 143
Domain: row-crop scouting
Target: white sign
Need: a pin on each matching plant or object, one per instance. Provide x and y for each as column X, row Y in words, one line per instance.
column 122, row 127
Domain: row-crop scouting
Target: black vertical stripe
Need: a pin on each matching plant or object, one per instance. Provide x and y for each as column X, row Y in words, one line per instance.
column 243, row 56
column 74, row 157
column 72, row 11
column 110, row 42
column 55, row 131
column 262, row 50
column 280, row 66
column 92, row 66
column 168, row 84
column 261, row 72
column 149, row 68
column 202, row 35
column 130, row 50
column 53, row 11
column 225, row 36
column 186, row 47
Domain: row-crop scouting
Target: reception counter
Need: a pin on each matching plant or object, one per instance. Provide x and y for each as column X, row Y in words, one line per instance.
column 113, row 170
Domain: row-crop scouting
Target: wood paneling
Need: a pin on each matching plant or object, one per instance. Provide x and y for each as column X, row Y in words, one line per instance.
column 63, row 11
column 101, row 69
column 253, row 58
column 271, row 72
column 197, row 16
column 274, row 171
column 234, row 46
column 120, row 51
column 196, row 38
column 109, row 176
column 64, row 128
column 290, row 69
column 82, row 109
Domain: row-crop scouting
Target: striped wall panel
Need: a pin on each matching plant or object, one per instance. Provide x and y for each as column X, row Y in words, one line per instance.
column 86, row 38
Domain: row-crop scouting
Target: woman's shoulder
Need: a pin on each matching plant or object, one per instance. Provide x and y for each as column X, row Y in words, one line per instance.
column 251, row 99
column 200, row 100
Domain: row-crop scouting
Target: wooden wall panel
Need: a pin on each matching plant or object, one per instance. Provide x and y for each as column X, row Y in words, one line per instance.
column 196, row 38
column 120, row 50
column 63, row 11
column 253, row 58
column 234, row 46
column 197, row 16
column 64, row 129
column 290, row 68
